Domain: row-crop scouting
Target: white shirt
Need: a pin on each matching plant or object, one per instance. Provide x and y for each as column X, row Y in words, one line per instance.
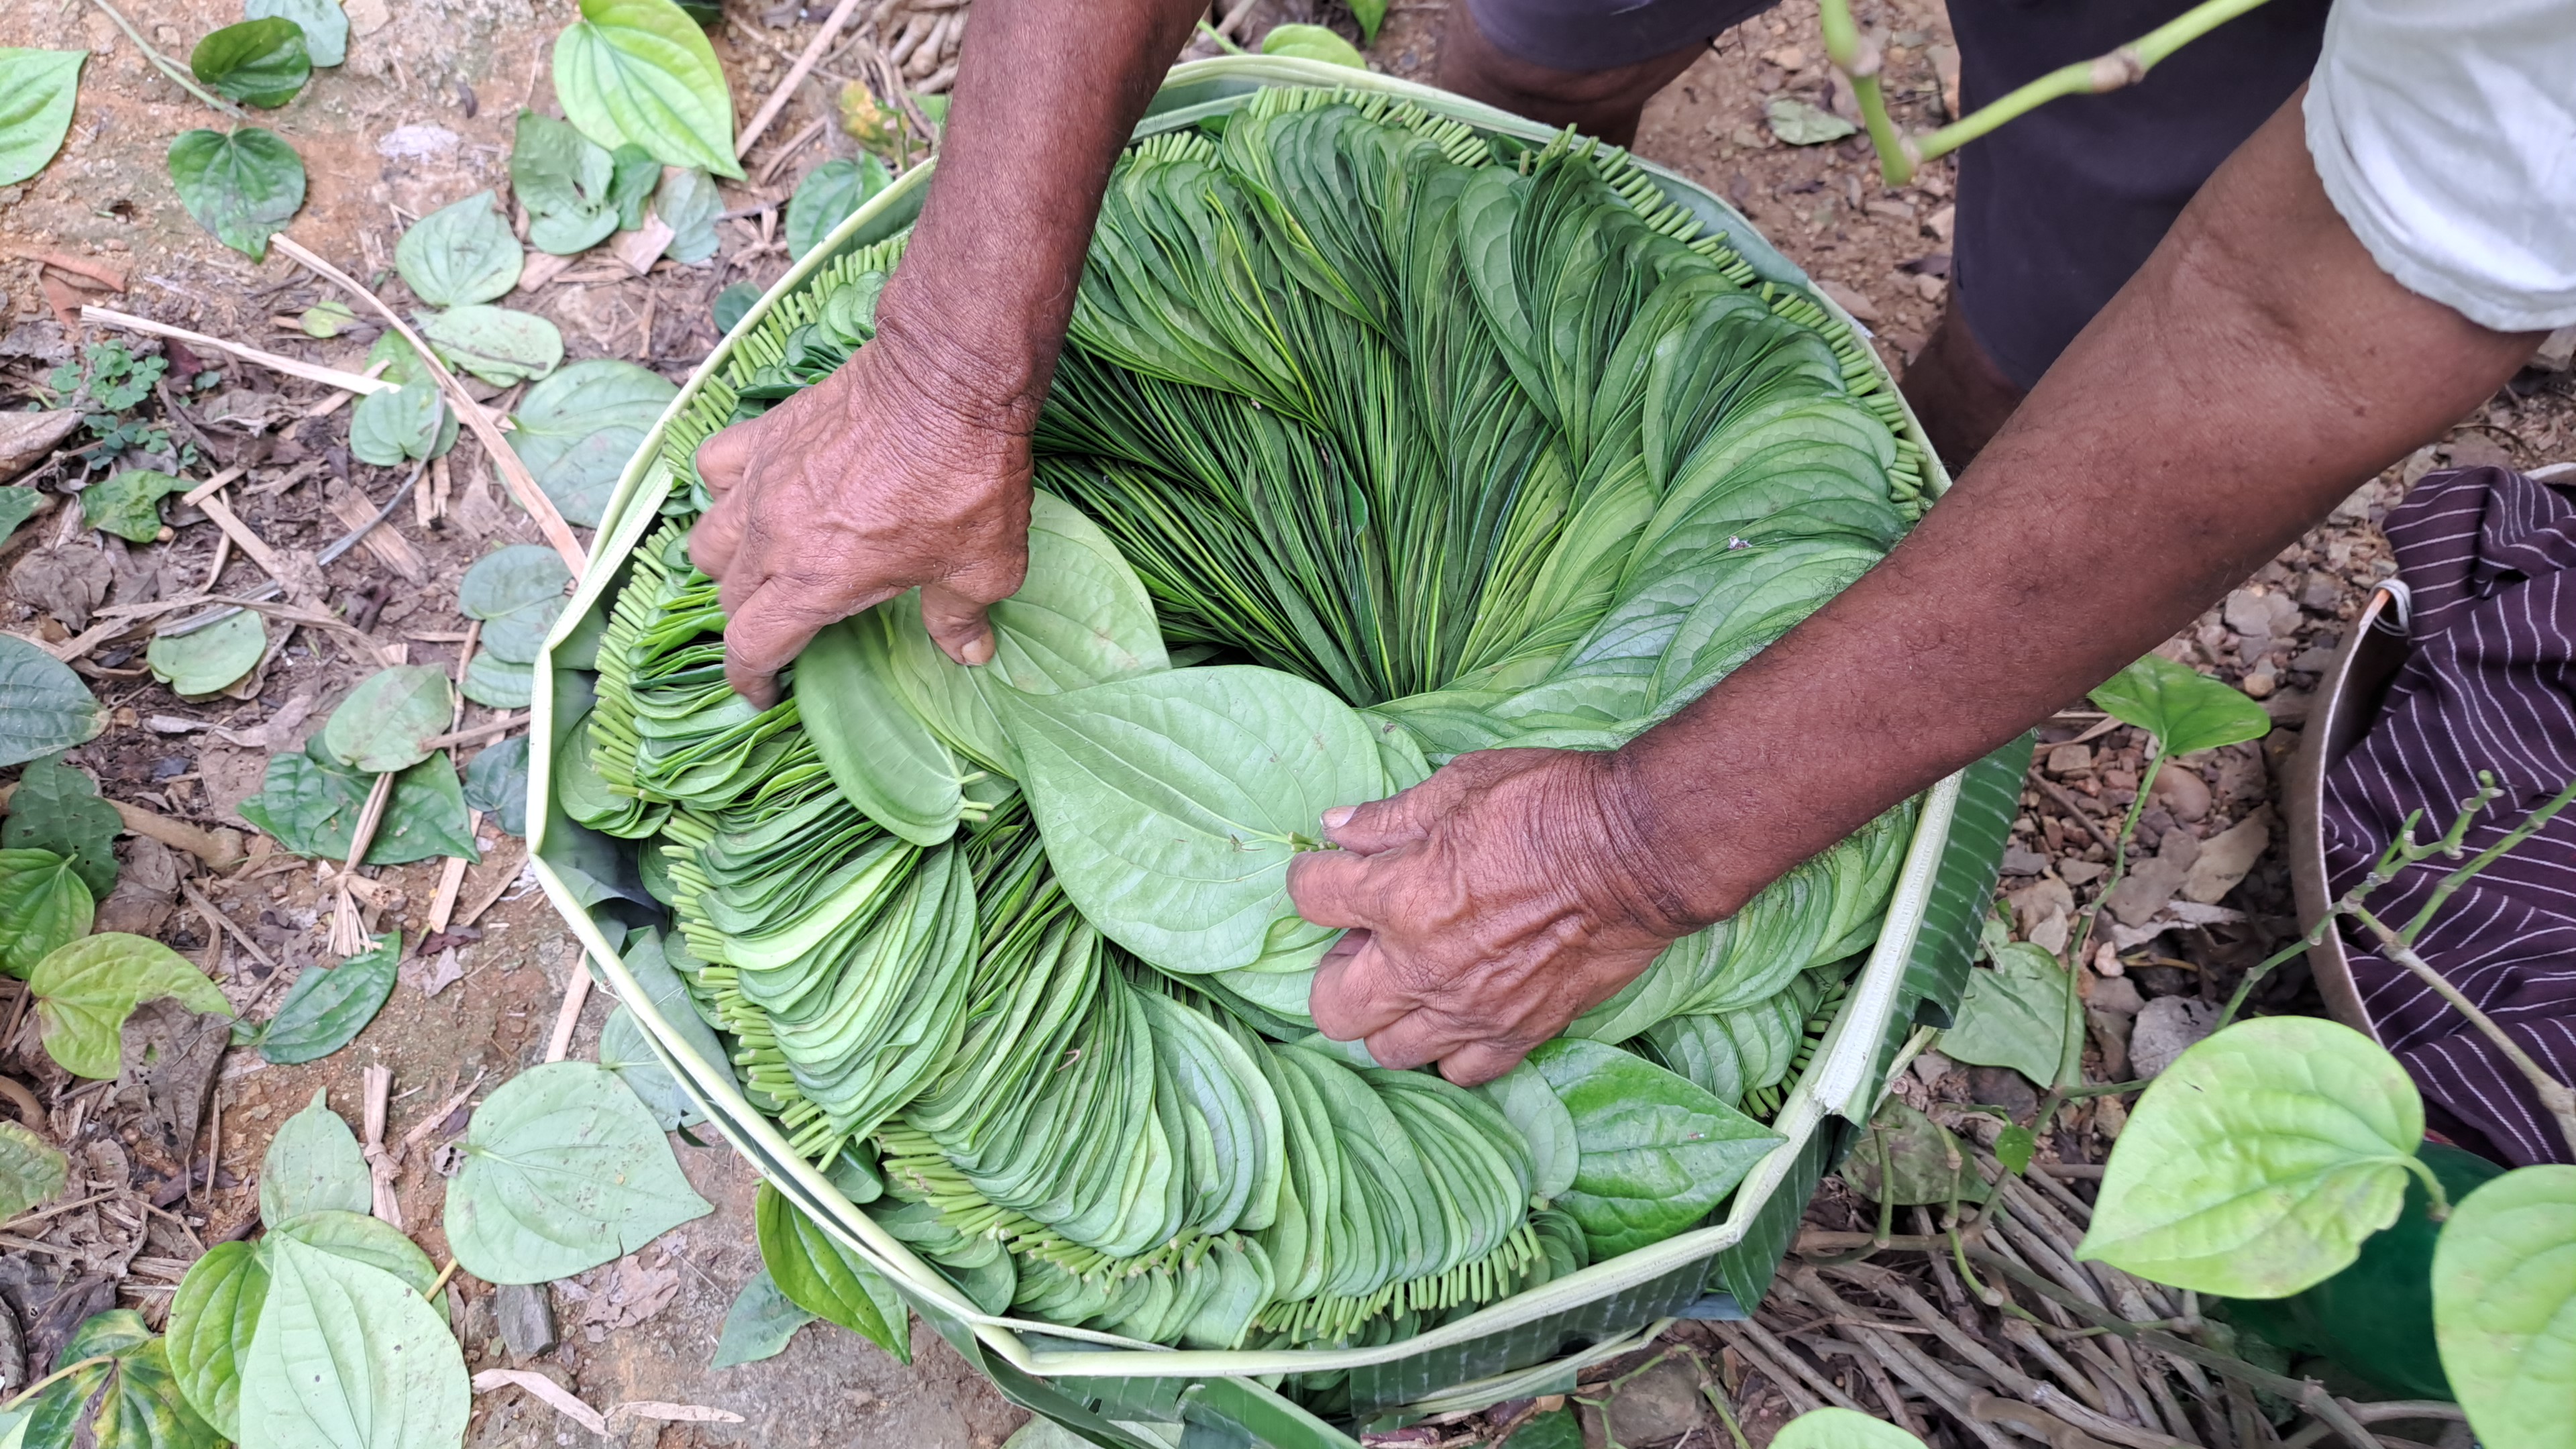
column 2445, row 133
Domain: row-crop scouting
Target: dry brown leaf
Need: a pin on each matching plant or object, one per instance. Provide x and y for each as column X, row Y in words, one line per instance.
column 561, row 1399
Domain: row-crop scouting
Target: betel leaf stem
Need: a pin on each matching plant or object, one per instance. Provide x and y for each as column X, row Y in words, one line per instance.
column 49, row 1380
column 2070, row 1060
column 169, row 67
column 2553, row 1093
column 2530, row 825
column 1899, row 154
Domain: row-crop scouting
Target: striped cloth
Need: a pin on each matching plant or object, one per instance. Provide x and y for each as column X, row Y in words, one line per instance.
column 2489, row 684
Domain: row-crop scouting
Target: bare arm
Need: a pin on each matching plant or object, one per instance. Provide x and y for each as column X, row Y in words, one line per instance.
column 910, row 465
column 2254, row 371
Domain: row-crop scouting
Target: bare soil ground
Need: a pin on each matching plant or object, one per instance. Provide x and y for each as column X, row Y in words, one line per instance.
column 420, row 116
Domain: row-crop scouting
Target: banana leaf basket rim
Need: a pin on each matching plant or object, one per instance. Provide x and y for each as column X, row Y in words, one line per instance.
column 1834, row 1083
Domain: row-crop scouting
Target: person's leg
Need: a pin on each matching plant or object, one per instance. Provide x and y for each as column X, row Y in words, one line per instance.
column 1589, row 64
column 2057, row 208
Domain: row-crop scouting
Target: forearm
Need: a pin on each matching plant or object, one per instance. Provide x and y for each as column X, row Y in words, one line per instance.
column 1047, row 92
column 2255, row 371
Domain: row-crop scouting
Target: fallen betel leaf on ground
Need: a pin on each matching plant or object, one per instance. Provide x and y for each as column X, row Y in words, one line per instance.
column 85, row 990
column 564, row 1170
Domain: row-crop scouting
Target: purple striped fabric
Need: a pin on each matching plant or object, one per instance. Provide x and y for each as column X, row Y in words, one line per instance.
column 2490, row 684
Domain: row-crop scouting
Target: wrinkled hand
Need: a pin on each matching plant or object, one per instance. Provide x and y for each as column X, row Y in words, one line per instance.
column 870, row 483
column 1486, row 908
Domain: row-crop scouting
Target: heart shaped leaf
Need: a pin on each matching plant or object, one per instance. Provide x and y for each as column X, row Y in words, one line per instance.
column 325, row 25
column 361, row 1239
column 386, row 723
column 326, row 1008
column 496, row 783
column 44, row 906
column 509, row 579
column 556, row 171
column 828, row 196
column 36, row 92
column 57, row 808
column 313, row 1165
column 241, row 187
column 1909, row 1159
column 2013, row 1015
column 494, row 343
column 463, row 252
column 1312, row 42
column 624, row 1049
column 128, row 504
column 44, row 706
column 310, row 803
column 1658, row 1152
column 2504, row 1306
column 577, row 429
column 642, row 71
column 349, row 1355
column 825, row 1279
column 85, row 991
column 759, row 1324
column 498, row 683
column 2259, row 1161
column 688, row 204
column 32, row 1170
column 1172, row 803
column 564, row 1170
column 1530, row 1105
column 213, row 1318
column 118, row 1392
column 258, row 62
column 209, row 660
column 1832, row 1428
column 2183, row 708
column 410, row 422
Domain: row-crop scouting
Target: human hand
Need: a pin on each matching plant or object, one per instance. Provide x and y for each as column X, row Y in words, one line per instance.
column 1486, row 908
column 872, row 482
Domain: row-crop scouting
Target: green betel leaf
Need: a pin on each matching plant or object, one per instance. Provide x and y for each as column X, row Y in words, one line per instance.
column 577, row 429
column 313, row 1165
column 881, row 754
column 570, row 233
column 325, row 25
column 44, row 906
column 1658, row 1152
column 2259, row 1161
column 1831, row 1428
column 213, row 1318
column 556, row 171
column 386, row 723
column 425, row 817
column 827, row 197
column 128, row 504
column 494, row 343
column 2504, row 1307
column 517, row 637
column 37, row 88
column 624, row 1050
column 31, row 1170
column 564, row 1170
column 825, row 1279
column 633, row 176
column 310, row 803
column 241, row 187
column 1531, row 1106
column 2013, row 1015
column 1171, row 804
column 759, row 1324
column 126, row 1399
column 258, row 62
column 1312, row 42
column 509, row 579
column 412, row 421
column 688, row 204
column 640, row 71
column 496, row 783
column 44, row 706
column 85, row 990
column 361, row 1239
column 209, row 660
column 491, row 680
column 2184, row 709
column 463, row 252
column 348, row 1356
column 733, row 304
column 57, row 808
column 327, row 1007
column 1370, row 14
column 17, row 505
column 1909, row 1159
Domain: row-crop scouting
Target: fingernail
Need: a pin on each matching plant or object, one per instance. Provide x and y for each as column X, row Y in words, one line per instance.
column 1339, row 816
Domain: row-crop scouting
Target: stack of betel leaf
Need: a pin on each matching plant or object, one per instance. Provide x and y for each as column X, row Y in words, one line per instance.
column 1377, row 440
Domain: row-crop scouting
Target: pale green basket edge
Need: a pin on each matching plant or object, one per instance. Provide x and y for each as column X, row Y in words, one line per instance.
column 1829, row 1086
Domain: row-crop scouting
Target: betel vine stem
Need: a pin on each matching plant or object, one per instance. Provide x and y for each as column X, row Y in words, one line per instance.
column 1857, row 57
column 169, row 67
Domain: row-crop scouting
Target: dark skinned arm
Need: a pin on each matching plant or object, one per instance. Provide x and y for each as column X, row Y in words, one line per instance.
column 910, row 465
column 2256, row 370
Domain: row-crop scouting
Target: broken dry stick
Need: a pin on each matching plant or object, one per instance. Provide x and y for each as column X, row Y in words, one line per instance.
column 568, row 1015
column 291, row 366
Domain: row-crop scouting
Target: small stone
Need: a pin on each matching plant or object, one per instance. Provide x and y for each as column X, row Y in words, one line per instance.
column 2324, row 593
column 2149, row 884
column 1657, row 1406
column 2226, row 857
column 2247, row 612
column 2167, row 1027
column 2019, row 860
column 527, row 1318
column 2082, row 872
column 1931, row 1067
column 2557, row 351
column 1850, row 300
column 2315, row 660
column 2260, row 684
column 2052, row 933
column 2002, row 1087
column 2070, row 759
column 2289, row 707
column 2113, row 995
column 2034, row 902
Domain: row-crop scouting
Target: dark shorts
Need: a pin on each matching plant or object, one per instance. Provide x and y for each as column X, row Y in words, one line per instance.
column 2057, row 208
